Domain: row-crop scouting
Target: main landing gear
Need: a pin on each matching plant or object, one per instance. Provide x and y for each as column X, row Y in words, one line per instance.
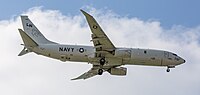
column 102, row 61
column 100, row 71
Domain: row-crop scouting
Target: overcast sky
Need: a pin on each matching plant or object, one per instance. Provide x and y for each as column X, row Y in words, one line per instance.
column 171, row 25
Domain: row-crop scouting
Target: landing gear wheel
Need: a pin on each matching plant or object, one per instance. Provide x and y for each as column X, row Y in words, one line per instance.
column 102, row 61
column 168, row 70
column 100, row 71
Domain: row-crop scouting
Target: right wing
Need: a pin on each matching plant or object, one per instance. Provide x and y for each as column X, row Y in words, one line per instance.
column 101, row 42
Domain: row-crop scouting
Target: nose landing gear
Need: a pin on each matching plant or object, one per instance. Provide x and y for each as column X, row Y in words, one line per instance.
column 168, row 68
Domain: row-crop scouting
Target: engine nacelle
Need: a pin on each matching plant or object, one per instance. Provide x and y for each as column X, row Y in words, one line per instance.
column 123, row 53
column 118, row 71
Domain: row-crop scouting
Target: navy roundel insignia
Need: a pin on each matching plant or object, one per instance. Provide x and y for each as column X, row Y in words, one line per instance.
column 81, row 50
column 29, row 25
column 94, row 26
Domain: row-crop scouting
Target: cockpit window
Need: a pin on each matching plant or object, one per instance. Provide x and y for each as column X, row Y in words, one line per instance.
column 174, row 54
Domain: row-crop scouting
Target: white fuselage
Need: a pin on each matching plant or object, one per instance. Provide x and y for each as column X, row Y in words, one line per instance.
column 122, row 56
column 103, row 54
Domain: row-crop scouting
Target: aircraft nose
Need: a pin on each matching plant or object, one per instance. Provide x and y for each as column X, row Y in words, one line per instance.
column 182, row 61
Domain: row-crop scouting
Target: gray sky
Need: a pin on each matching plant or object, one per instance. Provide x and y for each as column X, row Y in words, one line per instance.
column 37, row 75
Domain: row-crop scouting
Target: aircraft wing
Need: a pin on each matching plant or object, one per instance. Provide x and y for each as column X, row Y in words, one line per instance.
column 92, row 72
column 101, row 42
column 103, row 46
column 95, row 69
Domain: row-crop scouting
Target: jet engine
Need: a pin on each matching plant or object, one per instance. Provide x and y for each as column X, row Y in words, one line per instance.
column 118, row 71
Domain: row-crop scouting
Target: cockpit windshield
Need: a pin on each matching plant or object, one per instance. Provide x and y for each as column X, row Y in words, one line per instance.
column 174, row 54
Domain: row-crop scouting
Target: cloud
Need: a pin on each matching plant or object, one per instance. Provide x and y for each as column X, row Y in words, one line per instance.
column 32, row 74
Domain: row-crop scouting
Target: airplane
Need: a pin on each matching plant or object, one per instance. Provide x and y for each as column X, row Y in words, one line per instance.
column 104, row 55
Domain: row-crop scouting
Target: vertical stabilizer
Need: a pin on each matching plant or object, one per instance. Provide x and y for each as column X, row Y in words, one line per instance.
column 31, row 36
column 31, row 30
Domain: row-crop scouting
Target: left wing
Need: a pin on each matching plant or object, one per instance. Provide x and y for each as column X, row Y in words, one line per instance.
column 92, row 72
column 98, row 70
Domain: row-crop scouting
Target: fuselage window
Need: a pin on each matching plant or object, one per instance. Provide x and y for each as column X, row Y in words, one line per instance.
column 145, row 51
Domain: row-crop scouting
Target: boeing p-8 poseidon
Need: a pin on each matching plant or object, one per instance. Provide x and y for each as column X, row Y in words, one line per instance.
column 103, row 55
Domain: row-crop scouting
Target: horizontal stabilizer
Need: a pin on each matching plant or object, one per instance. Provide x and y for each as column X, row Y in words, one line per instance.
column 23, row 52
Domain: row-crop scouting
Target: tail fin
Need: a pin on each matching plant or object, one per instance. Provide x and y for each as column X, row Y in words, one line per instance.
column 31, row 36
column 31, row 30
